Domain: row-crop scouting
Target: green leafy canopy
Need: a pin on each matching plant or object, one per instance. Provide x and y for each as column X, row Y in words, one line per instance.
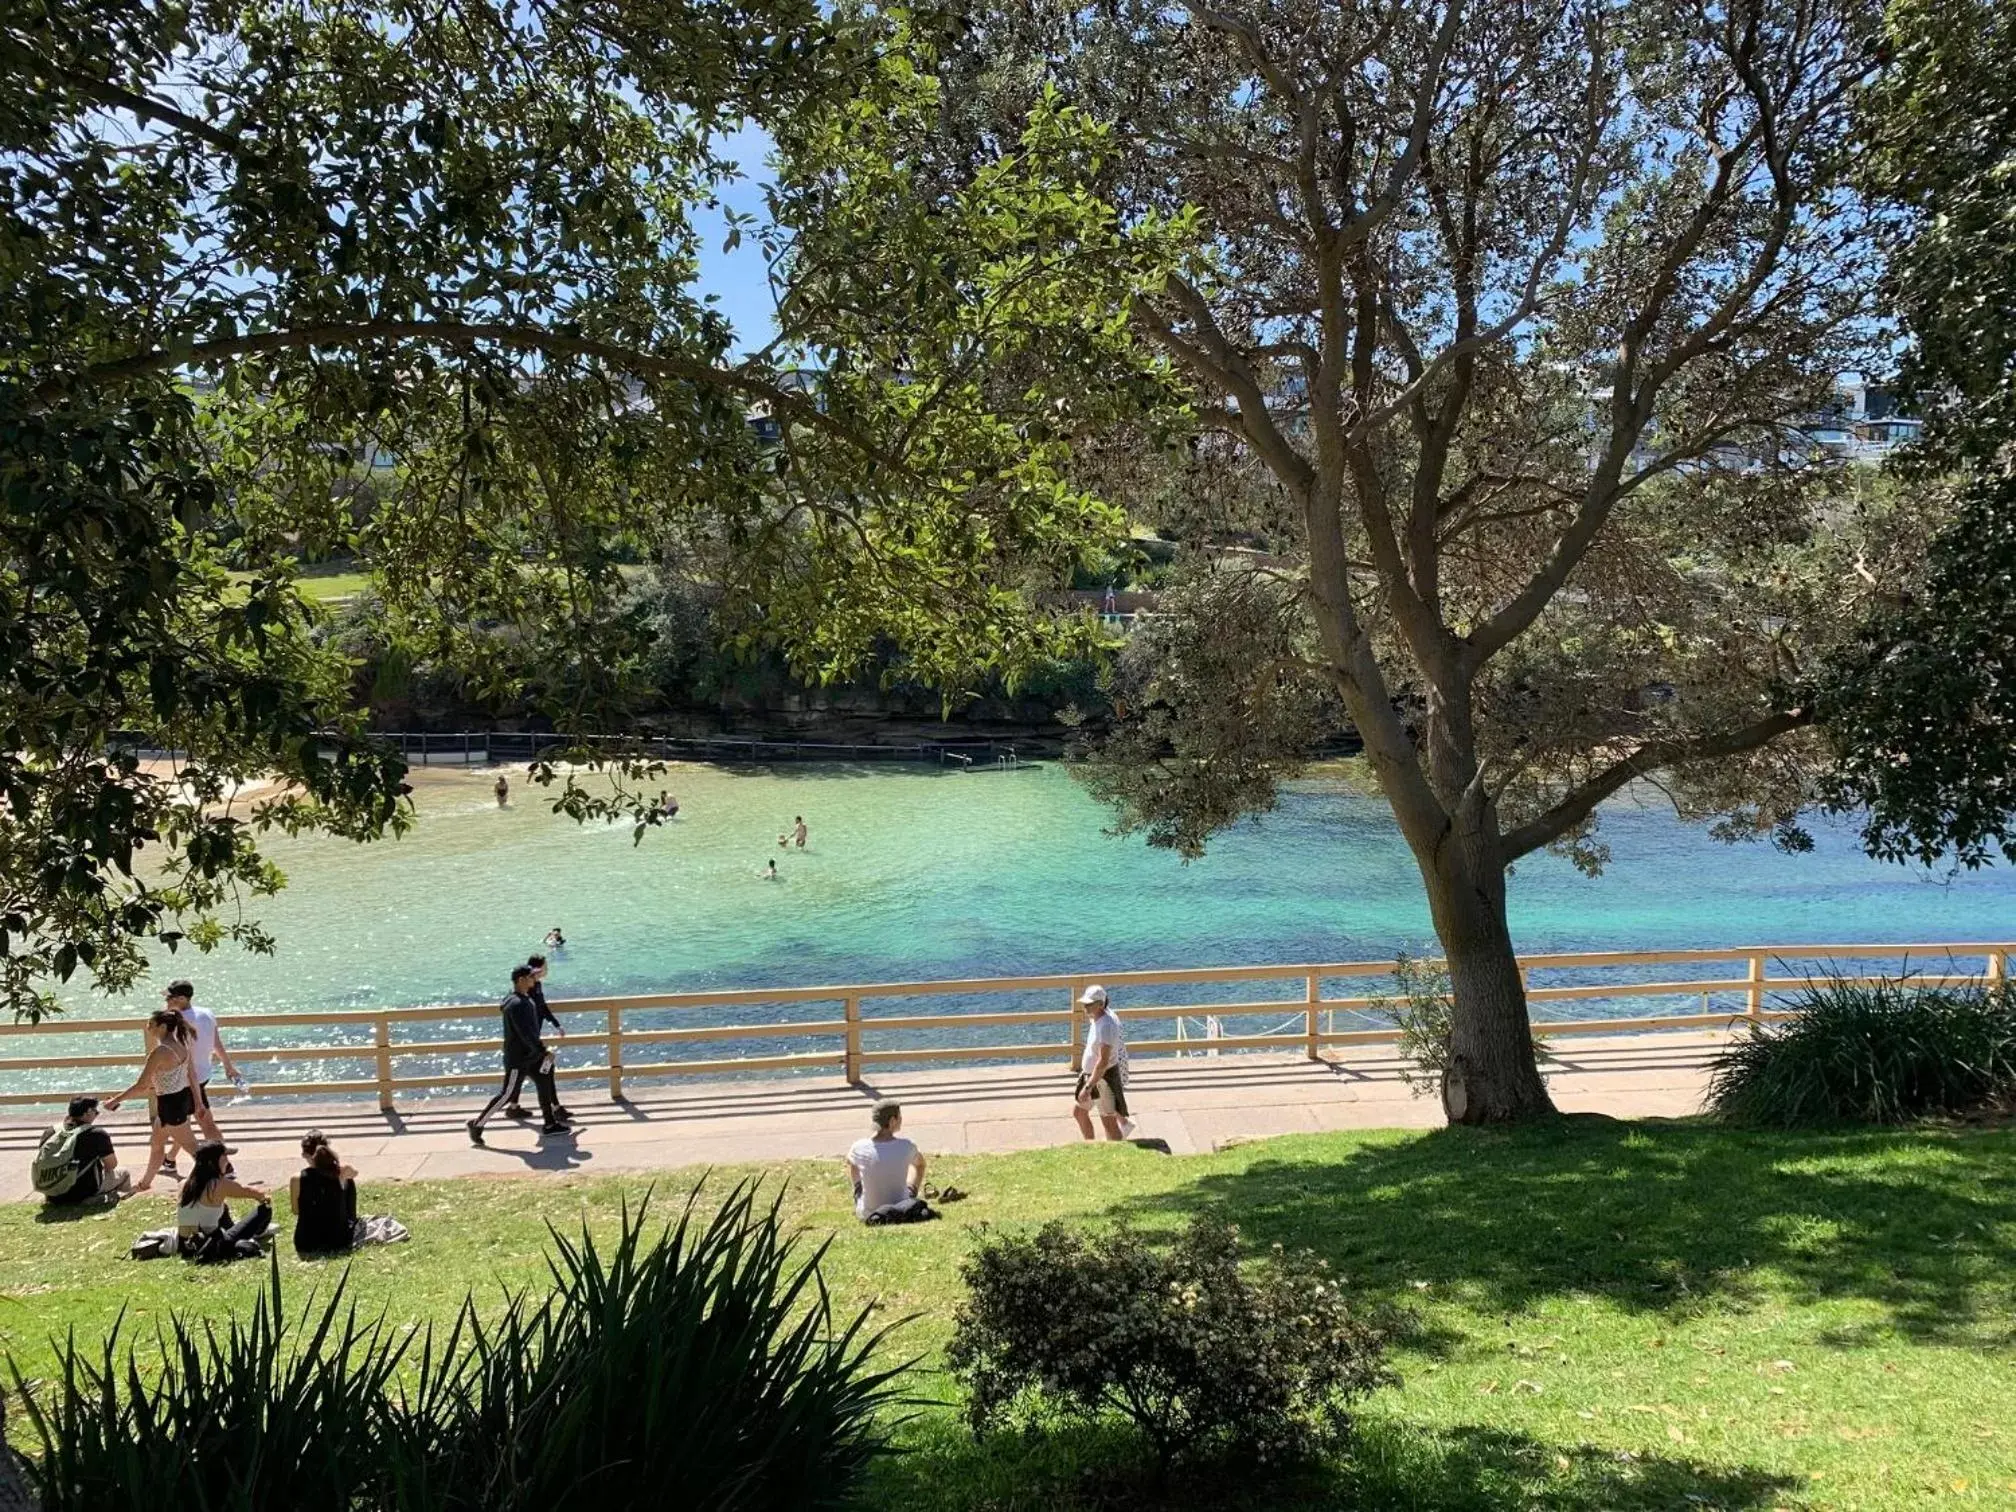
column 417, row 283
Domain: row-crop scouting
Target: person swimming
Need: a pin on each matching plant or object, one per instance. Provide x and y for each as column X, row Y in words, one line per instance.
column 503, row 790
column 783, row 842
column 798, row 832
column 770, row 873
column 555, row 940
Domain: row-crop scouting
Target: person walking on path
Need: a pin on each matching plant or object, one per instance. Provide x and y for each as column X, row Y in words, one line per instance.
column 76, row 1164
column 887, row 1172
column 525, row 1054
column 516, row 1107
column 165, row 1075
column 1103, row 1082
column 207, row 1049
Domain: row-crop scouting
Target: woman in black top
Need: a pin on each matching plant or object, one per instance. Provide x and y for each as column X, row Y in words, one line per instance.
column 325, row 1199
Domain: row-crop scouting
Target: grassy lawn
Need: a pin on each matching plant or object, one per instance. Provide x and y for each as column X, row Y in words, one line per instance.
column 325, row 583
column 328, row 586
column 1652, row 1315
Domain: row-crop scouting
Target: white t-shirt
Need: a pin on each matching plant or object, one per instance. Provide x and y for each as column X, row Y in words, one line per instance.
column 1105, row 1030
column 203, row 1049
column 884, row 1165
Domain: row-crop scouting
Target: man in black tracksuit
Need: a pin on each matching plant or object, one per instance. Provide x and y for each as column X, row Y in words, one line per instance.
column 515, row 1108
column 525, row 1054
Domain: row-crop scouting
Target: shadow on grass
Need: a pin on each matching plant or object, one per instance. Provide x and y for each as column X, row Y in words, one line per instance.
column 74, row 1212
column 1098, row 1469
column 1653, row 1215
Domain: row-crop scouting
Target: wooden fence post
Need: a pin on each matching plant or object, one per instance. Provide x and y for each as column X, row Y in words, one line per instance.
column 615, row 1052
column 381, row 1034
column 1312, row 998
column 1998, row 967
column 1755, row 1005
column 851, row 1011
column 1077, row 1030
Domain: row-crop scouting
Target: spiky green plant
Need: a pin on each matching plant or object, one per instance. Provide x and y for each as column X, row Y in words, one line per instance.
column 700, row 1366
column 706, row 1359
column 1880, row 1052
column 264, row 1414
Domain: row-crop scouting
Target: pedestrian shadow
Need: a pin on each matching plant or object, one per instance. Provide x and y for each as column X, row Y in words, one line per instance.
column 553, row 1153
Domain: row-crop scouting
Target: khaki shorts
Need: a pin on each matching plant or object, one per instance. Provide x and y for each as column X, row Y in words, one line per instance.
column 1108, row 1100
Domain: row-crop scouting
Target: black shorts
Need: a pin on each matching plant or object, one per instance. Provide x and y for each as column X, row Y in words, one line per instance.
column 172, row 1108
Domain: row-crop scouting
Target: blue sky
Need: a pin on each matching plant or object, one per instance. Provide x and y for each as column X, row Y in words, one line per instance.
column 737, row 279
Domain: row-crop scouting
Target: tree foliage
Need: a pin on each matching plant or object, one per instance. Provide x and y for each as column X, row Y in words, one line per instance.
column 418, row 282
column 1212, row 699
column 1521, row 308
column 1922, row 704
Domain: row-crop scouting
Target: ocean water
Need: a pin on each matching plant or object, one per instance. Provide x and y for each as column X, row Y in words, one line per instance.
column 914, row 873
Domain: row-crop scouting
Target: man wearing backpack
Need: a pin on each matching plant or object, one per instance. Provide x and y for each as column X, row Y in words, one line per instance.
column 75, row 1163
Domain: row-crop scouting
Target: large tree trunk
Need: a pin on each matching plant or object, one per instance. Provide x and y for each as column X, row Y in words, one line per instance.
column 1492, row 1076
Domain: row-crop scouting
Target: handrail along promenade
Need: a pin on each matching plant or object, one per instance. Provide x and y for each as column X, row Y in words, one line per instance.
column 854, row 1035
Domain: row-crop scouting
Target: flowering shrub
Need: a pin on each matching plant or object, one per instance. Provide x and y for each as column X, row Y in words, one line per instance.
column 1205, row 1358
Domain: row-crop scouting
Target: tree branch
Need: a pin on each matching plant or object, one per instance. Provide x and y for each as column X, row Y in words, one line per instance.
column 1581, row 802
column 628, row 360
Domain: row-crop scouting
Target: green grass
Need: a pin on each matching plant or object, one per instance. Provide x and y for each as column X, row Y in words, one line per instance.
column 1651, row 1315
column 325, row 583
column 328, row 587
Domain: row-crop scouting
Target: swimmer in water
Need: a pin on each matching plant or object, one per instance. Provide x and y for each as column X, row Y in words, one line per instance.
column 503, row 790
column 770, row 874
column 555, row 940
column 783, row 843
column 798, row 832
column 671, row 807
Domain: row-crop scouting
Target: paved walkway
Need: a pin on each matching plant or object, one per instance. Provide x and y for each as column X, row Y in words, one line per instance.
column 1196, row 1104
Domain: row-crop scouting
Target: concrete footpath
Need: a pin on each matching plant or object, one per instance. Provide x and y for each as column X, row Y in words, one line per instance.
column 1196, row 1104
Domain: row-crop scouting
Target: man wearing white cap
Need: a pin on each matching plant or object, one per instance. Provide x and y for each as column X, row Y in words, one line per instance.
column 1103, row 1082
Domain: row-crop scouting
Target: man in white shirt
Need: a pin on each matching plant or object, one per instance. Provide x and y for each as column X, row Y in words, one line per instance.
column 204, row 1053
column 1102, row 1084
column 886, row 1170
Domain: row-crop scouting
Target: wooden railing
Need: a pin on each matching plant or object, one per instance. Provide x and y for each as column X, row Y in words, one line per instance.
column 852, row 1040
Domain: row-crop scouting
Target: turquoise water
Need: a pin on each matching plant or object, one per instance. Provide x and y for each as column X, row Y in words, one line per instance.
column 911, row 873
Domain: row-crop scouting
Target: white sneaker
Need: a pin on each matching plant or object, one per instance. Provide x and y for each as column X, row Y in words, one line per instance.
column 1126, row 1128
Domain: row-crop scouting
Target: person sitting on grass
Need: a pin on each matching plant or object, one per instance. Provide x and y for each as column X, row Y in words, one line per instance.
column 203, row 1226
column 887, row 1171
column 324, row 1198
column 76, row 1163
